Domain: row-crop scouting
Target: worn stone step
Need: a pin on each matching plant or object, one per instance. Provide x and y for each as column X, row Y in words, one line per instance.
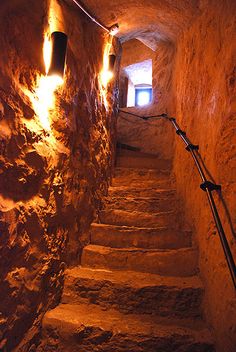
column 144, row 174
column 136, row 218
column 149, row 162
column 73, row 328
column 132, row 292
column 174, row 262
column 145, row 204
column 141, row 177
column 152, row 192
column 125, row 236
column 141, row 160
column 163, row 184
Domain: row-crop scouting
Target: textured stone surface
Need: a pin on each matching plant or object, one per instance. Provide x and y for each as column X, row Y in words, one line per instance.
column 147, row 20
column 204, row 88
column 122, row 176
column 180, row 262
column 100, row 301
column 133, row 292
column 126, row 236
column 160, row 194
column 162, row 77
column 49, row 188
column 138, row 218
column 133, row 52
column 70, row 327
column 157, row 202
column 205, row 77
column 142, row 160
column 49, row 191
column 154, row 136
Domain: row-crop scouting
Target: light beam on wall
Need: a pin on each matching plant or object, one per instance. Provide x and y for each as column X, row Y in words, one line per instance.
column 107, row 72
column 43, row 99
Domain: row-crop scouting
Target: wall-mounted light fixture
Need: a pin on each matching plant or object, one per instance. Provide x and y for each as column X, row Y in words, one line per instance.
column 111, row 64
column 58, row 54
column 114, row 29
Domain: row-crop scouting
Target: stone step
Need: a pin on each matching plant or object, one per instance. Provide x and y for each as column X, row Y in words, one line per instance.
column 140, row 174
column 88, row 328
column 152, row 192
column 125, row 236
column 150, row 162
column 132, row 292
column 139, row 160
column 136, row 218
column 163, row 184
column 174, row 262
column 144, row 204
column 141, row 177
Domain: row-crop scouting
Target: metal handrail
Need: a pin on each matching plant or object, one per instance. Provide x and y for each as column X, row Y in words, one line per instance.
column 142, row 117
column 206, row 186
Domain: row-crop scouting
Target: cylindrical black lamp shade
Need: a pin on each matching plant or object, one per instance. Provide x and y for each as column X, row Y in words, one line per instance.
column 59, row 45
column 112, row 60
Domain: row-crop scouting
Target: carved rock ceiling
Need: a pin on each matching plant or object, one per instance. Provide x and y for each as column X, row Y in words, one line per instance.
column 147, row 20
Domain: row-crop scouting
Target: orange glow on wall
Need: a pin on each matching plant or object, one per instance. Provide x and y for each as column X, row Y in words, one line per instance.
column 47, row 52
column 43, row 96
column 105, row 75
column 44, row 99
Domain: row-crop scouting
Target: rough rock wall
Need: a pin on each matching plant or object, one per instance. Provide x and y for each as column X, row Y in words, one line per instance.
column 205, row 80
column 134, row 51
column 148, row 20
column 50, row 182
column 162, row 73
column 154, row 136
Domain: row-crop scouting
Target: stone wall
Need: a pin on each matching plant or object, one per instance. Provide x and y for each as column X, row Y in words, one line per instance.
column 51, row 182
column 134, row 51
column 205, row 83
column 153, row 136
column 162, row 73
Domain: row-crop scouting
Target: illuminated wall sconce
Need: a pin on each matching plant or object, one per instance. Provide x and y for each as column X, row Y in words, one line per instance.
column 113, row 30
column 58, row 55
column 112, row 60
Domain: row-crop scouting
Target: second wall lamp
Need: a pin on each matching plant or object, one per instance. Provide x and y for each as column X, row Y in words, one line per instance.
column 58, row 56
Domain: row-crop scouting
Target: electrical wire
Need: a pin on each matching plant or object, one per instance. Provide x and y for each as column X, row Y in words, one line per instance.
column 91, row 17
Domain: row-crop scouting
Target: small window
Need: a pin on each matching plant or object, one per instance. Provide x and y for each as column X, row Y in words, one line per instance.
column 143, row 96
column 139, row 77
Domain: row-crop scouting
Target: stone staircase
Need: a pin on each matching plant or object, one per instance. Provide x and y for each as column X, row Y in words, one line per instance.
column 137, row 288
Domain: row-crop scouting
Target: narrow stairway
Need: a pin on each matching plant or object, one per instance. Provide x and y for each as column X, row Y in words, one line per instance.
column 137, row 288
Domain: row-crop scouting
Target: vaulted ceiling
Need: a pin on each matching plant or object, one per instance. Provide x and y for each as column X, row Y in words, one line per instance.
column 147, row 20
